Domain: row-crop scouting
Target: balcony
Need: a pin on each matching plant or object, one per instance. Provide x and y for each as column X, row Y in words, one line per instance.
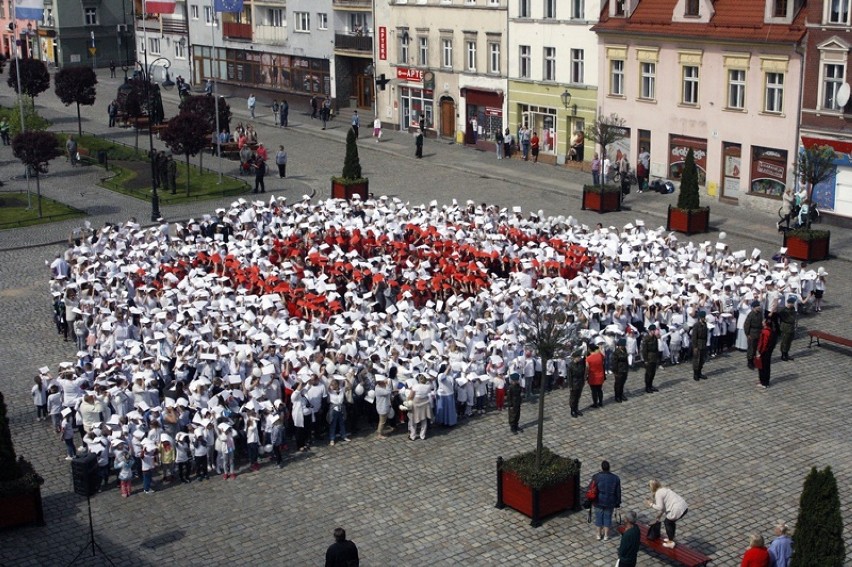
column 234, row 30
column 351, row 42
column 271, row 35
column 352, row 5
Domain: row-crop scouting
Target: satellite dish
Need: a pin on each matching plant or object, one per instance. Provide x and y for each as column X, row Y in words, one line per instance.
column 843, row 95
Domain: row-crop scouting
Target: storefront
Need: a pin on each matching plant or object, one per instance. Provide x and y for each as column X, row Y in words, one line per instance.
column 542, row 120
column 301, row 75
column 679, row 147
column 415, row 101
column 768, row 171
column 486, row 108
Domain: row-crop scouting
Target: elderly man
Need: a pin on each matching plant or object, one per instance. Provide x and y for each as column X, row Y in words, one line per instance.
column 628, row 547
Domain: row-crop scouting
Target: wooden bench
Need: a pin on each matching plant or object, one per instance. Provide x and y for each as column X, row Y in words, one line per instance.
column 157, row 128
column 827, row 337
column 679, row 554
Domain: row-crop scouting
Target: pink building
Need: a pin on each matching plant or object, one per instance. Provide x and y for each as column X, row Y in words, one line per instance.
column 722, row 78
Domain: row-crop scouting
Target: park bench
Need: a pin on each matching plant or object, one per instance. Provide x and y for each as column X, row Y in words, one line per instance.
column 84, row 153
column 157, row 128
column 679, row 554
column 827, row 337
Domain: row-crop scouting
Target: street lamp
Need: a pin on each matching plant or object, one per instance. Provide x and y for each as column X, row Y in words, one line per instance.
column 566, row 98
column 167, row 84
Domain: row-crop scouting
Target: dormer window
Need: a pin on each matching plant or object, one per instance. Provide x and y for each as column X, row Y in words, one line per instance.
column 691, row 8
column 619, row 7
column 779, row 8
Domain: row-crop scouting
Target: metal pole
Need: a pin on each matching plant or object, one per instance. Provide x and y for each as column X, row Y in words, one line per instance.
column 21, row 108
column 155, row 197
column 374, row 88
column 214, row 61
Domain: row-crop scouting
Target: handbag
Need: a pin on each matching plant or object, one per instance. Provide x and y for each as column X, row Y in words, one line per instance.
column 653, row 531
column 758, row 362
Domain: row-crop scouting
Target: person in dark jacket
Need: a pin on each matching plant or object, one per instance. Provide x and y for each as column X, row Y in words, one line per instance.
column 576, row 381
column 620, row 367
column 651, row 356
column 787, row 318
column 628, row 548
column 514, row 395
column 341, row 553
column 751, row 328
column 698, row 335
column 609, row 498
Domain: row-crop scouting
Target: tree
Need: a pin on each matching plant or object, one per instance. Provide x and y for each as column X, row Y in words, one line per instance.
column 32, row 120
column 351, row 163
column 35, row 149
column 205, row 106
column 8, row 460
column 548, row 328
column 186, row 134
column 76, row 85
column 35, row 79
column 815, row 165
column 688, row 199
column 605, row 131
column 819, row 527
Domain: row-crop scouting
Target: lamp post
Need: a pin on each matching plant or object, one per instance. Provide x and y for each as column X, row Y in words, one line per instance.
column 167, row 84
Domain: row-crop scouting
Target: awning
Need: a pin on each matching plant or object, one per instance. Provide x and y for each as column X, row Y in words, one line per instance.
column 481, row 97
column 838, row 145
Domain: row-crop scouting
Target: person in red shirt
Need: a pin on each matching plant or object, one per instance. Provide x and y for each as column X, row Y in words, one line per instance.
column 765, row 346
column 756, row 555
column 534, row 146
column 595, row 375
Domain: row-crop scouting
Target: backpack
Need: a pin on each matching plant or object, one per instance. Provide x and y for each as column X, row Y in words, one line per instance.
column 592, row 490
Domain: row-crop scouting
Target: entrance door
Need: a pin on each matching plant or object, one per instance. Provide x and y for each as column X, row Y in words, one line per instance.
column 448, row 118
column 364, row 91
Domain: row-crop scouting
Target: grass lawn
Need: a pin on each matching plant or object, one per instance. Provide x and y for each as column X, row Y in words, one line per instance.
column 14, row 213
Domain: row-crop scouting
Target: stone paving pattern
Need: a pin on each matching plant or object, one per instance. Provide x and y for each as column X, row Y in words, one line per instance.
column 738, row 455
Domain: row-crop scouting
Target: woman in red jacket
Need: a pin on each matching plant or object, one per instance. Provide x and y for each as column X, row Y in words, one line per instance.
column 756, row 555
column 765, row 346
column 595, row 375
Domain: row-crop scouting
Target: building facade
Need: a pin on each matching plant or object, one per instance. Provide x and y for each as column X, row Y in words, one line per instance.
column 825, row 100
column 91, row 32
column 554, row 54
column 446, row 61
column 721, row 78
column 354, row 35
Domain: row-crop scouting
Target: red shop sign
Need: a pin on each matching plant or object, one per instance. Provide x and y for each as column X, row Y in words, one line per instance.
column 383, row 43
column 409, row 75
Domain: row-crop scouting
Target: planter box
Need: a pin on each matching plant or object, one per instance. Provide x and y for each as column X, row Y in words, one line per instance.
column 688, row 222
column 21, row 510
column 595, row 199
column 536, row 504
column 346, row 191
column 807, row 250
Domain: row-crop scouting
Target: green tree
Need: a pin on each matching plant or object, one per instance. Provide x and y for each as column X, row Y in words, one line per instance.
column 351, row 163
column 8, row 460
column 186, row 135
column 548, row 327
column 688, row 199
column 35, row 150
column 32, row 120
column 819, row 527
column 35, row 79
column 605, row 131
column 76, row 85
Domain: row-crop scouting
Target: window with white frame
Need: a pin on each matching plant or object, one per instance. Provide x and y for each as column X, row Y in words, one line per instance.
column 470, row 2
column 447, row 53
column 423, row 51
column 208, row 15
column 322, row 21
column 524, row 9
column 471, row 56
column 690, row 85
column 577, row 63
column 616, row 77
column 779, row 9
column 493, row 2
column 404, row 42
column 274, row 17
column 493, row 57
column 180, row 49
column 774, row 95
column 648, row 80
column 837, row 12
column 691, row 8
column 154, row 45
column 525, row 61
column 193, row 12
column 833, row 76
column 578, row 9
column 550, row 9
column 736, row 89
column 303, row 21
column 549, row 71
column 90, row 16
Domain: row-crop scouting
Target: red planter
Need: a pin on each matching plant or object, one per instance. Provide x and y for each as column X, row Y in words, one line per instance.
column 601, row 201
column 807, row 250
column 21, row 510
column 688, row 221
column 536, row 504
column 347, row 190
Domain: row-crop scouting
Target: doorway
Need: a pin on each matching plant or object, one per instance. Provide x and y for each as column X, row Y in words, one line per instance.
column 364, row 91
column 448, row 118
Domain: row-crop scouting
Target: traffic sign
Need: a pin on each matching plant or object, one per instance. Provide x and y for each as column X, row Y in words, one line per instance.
column 93, row 51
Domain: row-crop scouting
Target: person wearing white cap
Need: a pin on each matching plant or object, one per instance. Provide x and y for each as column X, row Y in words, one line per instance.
column 124, row 465
column 225, row 451
column 149, row 464
column 421, row 413
column 383, row 404
column 301, row 412
column 819, row 288
column 199, row 452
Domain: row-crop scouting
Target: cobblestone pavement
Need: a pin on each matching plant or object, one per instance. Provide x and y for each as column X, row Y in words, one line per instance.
column 737, row 454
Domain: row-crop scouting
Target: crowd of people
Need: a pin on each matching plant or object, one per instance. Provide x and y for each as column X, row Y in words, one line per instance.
column 270, row 326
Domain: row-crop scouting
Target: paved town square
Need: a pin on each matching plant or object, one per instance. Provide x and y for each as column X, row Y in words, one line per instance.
column 738, row 454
